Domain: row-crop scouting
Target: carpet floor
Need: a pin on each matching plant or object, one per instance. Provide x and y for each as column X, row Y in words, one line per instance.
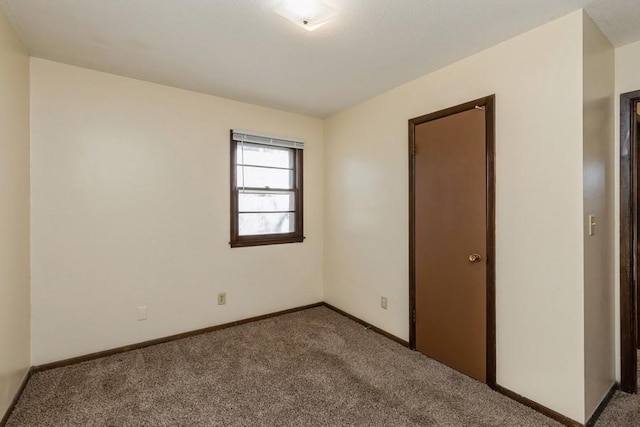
column 624, row 409
column 309, row 368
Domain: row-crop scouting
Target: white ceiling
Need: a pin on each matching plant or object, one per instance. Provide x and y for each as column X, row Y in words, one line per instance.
column 618, row 19
column 241, row 49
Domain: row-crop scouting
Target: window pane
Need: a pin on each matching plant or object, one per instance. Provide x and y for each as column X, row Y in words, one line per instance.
column 265, row 202
column 264, row 177
column 262, row 155
column 265, row 223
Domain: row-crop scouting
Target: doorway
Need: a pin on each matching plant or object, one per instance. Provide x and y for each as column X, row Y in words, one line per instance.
column 452, row 237
column 629, row 229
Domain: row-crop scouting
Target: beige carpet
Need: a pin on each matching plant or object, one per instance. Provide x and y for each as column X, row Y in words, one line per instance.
column 623, row 410
column 311, row 368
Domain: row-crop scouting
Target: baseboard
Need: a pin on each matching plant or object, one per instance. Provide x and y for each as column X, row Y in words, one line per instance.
column 15, row 399
column 502, row 390
column 111, row 352
column 367, row 325
column 117, row 350
column 538, row 407
column 603, row 404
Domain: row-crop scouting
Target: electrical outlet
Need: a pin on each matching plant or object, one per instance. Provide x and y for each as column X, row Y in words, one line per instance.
column 142, row 312
column 222, row 298
column 383, row 302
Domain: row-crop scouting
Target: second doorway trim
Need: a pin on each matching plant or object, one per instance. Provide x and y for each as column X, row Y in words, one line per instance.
column 629, row 162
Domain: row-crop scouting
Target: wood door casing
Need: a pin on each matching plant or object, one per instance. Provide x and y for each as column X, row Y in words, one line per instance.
column 450, row 225
column 637, row 305
column 488, row 104
column 629, row 264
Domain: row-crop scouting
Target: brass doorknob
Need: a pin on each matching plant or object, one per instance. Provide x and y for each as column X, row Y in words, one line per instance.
column 475, row 258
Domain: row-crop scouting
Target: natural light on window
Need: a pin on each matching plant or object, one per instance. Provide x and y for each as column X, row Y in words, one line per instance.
column 265, row 203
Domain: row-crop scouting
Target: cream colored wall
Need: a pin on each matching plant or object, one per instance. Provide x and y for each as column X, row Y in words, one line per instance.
column 627, row 65
column 627, row 59
column 598, row 91
column 14, row 215
column 537, row 79
column 130, row 190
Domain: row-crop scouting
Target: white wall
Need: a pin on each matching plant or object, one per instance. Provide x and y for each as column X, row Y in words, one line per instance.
column 537, row 79
column 14, row 215
column 627, row 65
column 627, row 80
column 130, row 207
column 598, row 93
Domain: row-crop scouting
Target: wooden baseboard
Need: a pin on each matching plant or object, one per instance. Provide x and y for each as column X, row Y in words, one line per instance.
column 14, row 402
column 110, row 352
column 596, row 414
column 367, row 325
column 538, row 407
column 556, row 415
column 506, row 392
column 117, row 350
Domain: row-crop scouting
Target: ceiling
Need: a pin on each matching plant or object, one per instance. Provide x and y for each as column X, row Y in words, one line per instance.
column 243, row 50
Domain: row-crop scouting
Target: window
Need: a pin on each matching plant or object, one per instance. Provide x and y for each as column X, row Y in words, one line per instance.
column 266, row 190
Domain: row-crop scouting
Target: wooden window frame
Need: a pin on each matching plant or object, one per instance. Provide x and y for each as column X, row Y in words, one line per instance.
column 297, row 236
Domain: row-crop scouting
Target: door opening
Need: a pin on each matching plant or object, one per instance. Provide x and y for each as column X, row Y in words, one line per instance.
column 629, row 229
column 452, row 237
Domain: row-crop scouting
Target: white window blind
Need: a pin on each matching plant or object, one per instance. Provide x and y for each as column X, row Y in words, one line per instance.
column 256, row 138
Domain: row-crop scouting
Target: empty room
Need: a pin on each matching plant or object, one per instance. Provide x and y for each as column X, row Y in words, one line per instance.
column 319, row 213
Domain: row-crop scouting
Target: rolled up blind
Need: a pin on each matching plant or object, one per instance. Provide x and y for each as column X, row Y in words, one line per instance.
column 266, row 140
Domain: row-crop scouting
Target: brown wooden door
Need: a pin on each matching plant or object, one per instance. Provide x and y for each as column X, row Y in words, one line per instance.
column 450, row 227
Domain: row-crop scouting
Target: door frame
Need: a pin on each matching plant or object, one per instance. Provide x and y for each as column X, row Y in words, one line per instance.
column 628, row 240
column 488, row 103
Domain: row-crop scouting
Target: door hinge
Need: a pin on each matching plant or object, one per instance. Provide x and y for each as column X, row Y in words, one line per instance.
column 414, row 316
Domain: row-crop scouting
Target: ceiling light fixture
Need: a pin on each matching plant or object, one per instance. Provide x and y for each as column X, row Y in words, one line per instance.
column 308, row 14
